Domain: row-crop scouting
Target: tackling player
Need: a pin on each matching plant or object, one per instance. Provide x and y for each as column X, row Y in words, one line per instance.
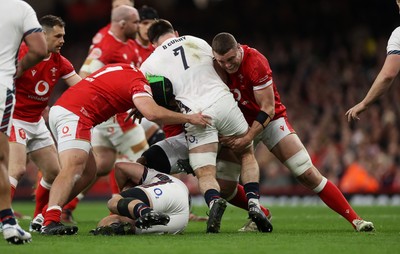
column 254, row 89
column 114, row 139
column 110, row 90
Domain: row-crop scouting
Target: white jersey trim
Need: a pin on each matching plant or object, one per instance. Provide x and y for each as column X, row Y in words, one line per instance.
column 255, row 88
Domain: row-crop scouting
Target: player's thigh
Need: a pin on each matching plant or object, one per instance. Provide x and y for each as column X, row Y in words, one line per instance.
column 105, row 158
column 47, row 161
column 287, row 147
column 175, row 148
column 228, row 118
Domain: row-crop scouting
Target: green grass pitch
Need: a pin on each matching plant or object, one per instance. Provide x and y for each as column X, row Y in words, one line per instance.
column 297, row 229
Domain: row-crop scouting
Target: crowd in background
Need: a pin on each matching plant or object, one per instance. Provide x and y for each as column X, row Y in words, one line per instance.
column 324, row 56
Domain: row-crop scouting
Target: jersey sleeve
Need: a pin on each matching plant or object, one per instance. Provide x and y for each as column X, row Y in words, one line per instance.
column 67, row 69
column 393, row 46
column 30, row 23
column 140, row 88
column 260, row 72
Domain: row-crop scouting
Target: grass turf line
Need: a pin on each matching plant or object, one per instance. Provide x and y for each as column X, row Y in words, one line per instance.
column 300, row 229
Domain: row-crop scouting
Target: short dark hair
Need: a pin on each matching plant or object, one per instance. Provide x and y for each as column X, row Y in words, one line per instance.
column 50, row 20
column 158, row 29
column 147, row 12
column 223, row 42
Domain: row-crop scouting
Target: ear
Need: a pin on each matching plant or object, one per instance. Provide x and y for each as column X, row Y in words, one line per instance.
column 176, row 33
column 121, row 23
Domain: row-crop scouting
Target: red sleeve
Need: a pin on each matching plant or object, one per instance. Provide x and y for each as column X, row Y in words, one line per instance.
column 23, row 49
column 66, row 67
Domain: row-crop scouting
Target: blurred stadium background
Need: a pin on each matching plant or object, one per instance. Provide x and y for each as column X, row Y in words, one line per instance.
column 324, row 55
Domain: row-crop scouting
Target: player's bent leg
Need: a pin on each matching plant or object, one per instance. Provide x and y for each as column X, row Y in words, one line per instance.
column 177, row 224
column 292, row 153
column 151, row 219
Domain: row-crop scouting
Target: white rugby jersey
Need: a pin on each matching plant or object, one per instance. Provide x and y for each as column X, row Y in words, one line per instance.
column 187, row 62
column 17, row 19
column 393, row 46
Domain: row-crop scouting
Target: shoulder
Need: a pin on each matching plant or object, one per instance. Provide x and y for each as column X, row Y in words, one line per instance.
column 394, row 41
column 253, row 59
column 256, row 66
column 23, row 6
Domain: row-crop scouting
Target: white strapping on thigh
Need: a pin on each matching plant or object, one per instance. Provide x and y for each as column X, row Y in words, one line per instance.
column 299, row 162
column 198, row 160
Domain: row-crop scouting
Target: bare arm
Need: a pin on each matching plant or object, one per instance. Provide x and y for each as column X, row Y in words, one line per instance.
column 381, row 85
column 37, row 45
column 155, row 113
column 265, row 98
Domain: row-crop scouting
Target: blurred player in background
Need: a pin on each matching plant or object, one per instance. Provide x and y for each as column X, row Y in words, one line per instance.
column 104, row 30
column 29, row 134
column 18, row 22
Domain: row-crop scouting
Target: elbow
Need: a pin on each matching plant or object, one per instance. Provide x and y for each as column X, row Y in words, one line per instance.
column 151, row 117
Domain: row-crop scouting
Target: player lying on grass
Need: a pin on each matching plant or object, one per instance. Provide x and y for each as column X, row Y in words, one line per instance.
column 150, row 202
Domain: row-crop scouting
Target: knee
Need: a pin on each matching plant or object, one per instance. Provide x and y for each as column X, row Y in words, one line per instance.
column 299, row 163
column 311, row 178
column 113, row 202
column 205, row 172
column 50, row 175
column 17, row 171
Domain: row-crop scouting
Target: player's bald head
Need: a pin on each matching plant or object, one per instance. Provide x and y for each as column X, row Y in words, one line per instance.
column 116, row 3
column 123, row 12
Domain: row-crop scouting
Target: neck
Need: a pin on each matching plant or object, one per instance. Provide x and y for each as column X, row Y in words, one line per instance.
column 142, row 41
column 165, row 37
column 117, row 32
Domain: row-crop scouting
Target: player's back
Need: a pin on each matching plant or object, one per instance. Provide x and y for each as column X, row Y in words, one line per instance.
column 188, row 62
column 104, row 93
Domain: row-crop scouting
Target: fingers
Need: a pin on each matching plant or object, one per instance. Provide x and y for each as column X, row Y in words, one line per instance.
column 352, row 115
